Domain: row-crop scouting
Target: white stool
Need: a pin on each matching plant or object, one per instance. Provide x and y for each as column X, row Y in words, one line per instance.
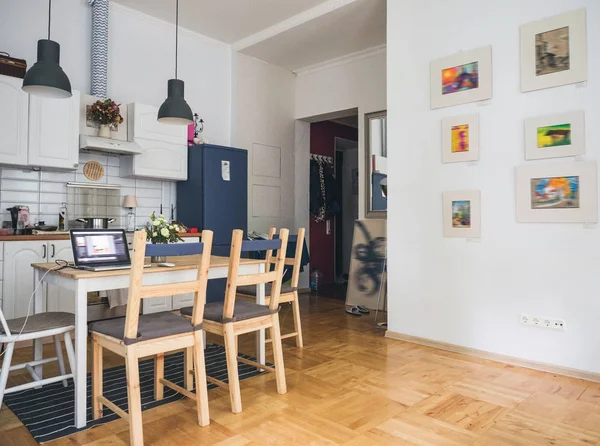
column 37, row 326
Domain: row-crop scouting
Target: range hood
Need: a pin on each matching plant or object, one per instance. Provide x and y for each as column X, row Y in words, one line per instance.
column 107, row 145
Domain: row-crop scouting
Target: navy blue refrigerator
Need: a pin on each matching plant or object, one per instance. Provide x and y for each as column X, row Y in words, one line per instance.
column 215, row 197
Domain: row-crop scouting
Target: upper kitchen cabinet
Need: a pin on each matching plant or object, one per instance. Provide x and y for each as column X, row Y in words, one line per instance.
column 163, row 147
column 157, row 160
column 54, row 132
column 143, row 124
column 14, row 106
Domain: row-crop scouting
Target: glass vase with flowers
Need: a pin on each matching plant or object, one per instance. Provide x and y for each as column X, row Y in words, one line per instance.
column 159, row 230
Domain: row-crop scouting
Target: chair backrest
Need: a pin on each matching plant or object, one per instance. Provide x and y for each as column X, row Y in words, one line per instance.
column 4, row 324
column 294, row 262
column 137, row 291
column 234, row 279
column 269, row 254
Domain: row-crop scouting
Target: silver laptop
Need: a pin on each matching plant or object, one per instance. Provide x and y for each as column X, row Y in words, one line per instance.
column 100, row 249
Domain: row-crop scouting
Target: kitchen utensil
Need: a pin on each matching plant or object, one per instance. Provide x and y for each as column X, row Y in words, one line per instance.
column 96, row 223
column 20, row 218
column 48, row 228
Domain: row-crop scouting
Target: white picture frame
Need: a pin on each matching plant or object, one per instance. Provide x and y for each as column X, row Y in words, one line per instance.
column 451, row 202
column 441, row 97
column 585, row 210
column 454, row 124
column 90, row 128
column 558, row 128
column 565, row 35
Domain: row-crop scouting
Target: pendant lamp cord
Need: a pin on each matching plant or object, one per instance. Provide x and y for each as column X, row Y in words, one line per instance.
column 176, row 36
column 50, row 16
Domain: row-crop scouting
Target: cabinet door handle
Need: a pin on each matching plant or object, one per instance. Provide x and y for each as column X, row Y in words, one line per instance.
column 43, row 251
column 53, row 250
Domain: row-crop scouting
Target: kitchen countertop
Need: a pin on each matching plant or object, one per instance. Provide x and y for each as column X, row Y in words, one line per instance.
column 28, row 238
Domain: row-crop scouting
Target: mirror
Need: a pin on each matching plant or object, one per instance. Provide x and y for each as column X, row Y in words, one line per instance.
column 376, row 164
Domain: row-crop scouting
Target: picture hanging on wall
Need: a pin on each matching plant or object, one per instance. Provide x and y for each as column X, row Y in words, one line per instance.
column 462, row 78
column 460, row 139
column 554, row 51
column 555, row 136
column 461, row 213
column 564, row 192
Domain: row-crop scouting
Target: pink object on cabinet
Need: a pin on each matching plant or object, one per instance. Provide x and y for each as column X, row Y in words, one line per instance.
column 191, row 135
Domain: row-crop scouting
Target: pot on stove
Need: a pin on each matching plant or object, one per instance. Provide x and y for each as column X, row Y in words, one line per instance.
column 96, row 222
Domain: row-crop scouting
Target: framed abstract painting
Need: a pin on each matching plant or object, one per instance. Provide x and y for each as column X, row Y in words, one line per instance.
column 555, row 136
column 554, row 51
column 460, row 139
column 562, row 192
column 462, row 78
column 461, row 212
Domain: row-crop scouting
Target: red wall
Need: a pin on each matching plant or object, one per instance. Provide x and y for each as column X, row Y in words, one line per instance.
column 322, row 246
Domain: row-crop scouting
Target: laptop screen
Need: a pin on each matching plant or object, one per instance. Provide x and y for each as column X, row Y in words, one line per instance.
column 99, row 247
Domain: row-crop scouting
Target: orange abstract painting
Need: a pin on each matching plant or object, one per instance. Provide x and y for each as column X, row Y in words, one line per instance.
column 460, row 138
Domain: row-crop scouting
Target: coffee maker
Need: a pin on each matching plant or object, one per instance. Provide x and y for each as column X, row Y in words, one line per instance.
column 19, row 216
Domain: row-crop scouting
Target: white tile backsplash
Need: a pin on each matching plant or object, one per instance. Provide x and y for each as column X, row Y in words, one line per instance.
column 44, row 192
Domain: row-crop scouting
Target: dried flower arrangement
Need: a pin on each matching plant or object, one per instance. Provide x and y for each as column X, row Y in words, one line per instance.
column 105, row 112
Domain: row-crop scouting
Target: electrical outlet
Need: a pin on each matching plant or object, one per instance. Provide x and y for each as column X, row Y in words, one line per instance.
column 547, row 323
column 558, row 324
column 542, row 322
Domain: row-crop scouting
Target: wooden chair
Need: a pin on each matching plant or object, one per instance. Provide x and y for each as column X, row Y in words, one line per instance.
column 136, row 336
column 33, row 327
column 232, row 318
column 288, row 293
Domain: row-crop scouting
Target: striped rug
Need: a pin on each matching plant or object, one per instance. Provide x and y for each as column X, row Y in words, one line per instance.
column 48, row 413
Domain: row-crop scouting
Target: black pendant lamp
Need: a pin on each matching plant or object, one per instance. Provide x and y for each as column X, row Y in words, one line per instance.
column 175, row 110
column 46, row 78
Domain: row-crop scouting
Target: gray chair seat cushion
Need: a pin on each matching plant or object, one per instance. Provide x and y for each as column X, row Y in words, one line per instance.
column 250, row 290
column 150, row 326
column 243, row 311
column 40, row 322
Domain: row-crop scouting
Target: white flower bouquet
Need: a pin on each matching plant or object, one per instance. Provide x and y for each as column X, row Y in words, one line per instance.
column 159, row 230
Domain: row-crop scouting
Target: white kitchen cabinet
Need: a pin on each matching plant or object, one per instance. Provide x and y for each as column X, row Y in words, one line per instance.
column 54, row 132
column 169, row 303
column 58, row 298
column 156, row 304
column 18, row 275
column 143, row 124
column 157, row 160
column 14, row 106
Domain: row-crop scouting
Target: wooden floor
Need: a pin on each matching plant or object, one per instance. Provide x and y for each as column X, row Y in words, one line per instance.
column 351, row 386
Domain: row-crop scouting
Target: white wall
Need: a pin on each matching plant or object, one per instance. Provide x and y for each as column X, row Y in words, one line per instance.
column 141, row 56
column 358, row 84
column 263, row 116
column 471, row 294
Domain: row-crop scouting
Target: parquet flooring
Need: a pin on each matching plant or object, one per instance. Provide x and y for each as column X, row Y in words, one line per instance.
column 351, row 386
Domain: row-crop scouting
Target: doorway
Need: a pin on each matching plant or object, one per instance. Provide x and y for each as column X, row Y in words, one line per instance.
column 346, row 169
column 333, row 200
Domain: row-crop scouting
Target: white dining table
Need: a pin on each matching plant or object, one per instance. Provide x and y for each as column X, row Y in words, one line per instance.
column 81, row 282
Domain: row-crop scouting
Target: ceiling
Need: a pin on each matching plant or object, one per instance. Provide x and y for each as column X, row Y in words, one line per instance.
column 355, row 27
column 225, row 20
column 314, row 31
